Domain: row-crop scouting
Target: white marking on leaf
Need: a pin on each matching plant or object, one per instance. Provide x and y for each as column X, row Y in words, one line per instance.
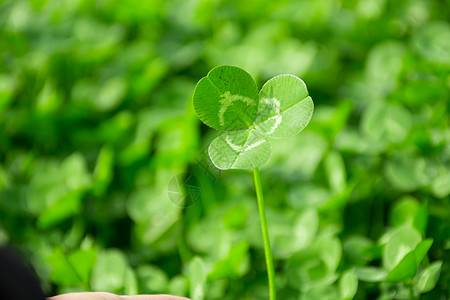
column 235, row 148
column 278, row 117
column 239, row 148
column 272, row 101
column 227, row 100
column 254, row 145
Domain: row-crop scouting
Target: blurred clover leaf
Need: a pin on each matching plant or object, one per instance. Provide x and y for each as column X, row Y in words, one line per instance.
column 348, row 284
column 427, row 278
column 197, row 278
column 403, row 253
column 227, row 99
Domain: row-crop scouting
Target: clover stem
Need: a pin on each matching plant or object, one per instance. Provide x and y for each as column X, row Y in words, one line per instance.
column 265, row 231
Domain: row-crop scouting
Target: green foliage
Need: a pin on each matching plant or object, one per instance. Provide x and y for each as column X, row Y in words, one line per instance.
column 401, row 242
column 74, row 269
column 232, row 266
column 152, row 280
column 96, row 120
column 227, row 99
column 244, row 149
column 197, row 278
column 285, row 107
column 428, row 278
column 348, row 284
column 407, row 267
column 112, row 273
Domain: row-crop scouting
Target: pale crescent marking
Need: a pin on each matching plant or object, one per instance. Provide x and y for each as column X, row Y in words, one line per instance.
column 238, row 148
column 278, row 117
column 227, row 100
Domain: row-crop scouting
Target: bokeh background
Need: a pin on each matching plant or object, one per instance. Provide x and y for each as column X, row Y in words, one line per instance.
column 96, row 121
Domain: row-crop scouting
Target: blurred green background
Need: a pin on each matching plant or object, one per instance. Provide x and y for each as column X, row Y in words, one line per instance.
column 96, row 120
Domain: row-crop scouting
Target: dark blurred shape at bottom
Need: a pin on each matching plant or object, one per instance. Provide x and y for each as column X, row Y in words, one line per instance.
column 16, row 279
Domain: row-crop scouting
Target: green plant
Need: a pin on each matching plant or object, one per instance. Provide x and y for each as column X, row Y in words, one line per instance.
column 402, row 252
column 94, row 126
column 227, row 99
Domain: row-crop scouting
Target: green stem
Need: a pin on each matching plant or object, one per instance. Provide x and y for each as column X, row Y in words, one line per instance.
column 265, row 231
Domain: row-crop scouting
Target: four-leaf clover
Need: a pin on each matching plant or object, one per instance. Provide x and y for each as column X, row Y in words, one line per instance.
column 227, row 99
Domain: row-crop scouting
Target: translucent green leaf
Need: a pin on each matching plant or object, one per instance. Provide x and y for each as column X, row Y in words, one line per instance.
column 408, row 211
column 197, row 276
column 152, row 280
column 421, row 219
column 111, row 94
column 153, row 211
column 45, row 190
column 336, row 172
column 316, row 264
column 400, row 243
column 284, row 107
column 404, row 270
column 407, row 267
column 178, row 286
column 356, row 249
column 384, row 63
column 406, row 172
column 305, row 228
column 109, row 271
column 440, row 187
column 308, row 195
column 72, row 269
column 330, row 120
column 348, row 285
column 350, row 140
column 331, row 252
column 428, row 278
column 75, row 173
column 301, row 164
column 61, row 271
column 226, row 99
column 48, row 99
column 234, row 265
column 320, row 292
column 103, row 172
column 130, row 283
column 432, row 42
column 421, row 250
column 384, row 123
column 290, row 233
column 371, row 274
column 63, row 208
column 403, row 211
column 82, row 261
column 244, row 149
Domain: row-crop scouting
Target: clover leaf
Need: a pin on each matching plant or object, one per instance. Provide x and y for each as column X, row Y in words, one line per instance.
column 403, row 253
column 227, row 99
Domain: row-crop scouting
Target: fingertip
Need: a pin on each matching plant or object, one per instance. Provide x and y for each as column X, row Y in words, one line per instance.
column 153, row 297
